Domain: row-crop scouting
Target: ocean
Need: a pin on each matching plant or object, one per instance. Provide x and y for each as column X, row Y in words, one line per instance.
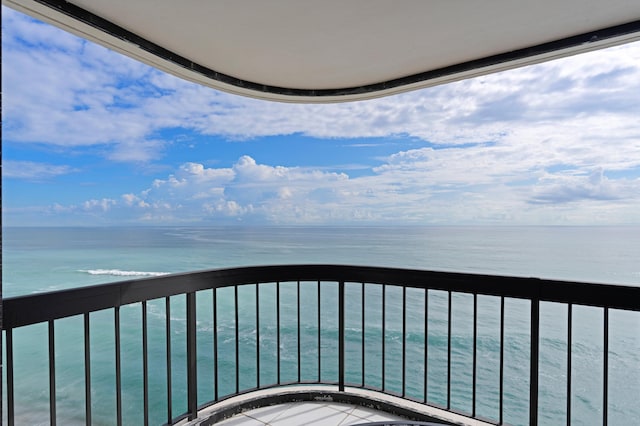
column 48, row 259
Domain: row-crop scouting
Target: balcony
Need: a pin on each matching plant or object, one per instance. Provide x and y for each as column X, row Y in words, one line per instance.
column 420, row 345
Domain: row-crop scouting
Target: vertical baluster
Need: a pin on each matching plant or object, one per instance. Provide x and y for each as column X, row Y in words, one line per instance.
column 87, row 369
column 605, row 378
column 278, row 332
column 362, row 324
column 426, row 342
column 341, row 336
column 449, row 352
column 319, row 336
column 10, row 400
column 235, row 310
column 569, row 344
column 257, row 336
column 167, row 310
column 475, row 352
column 404, row 340
column 298, row 329
column 533, row 380
column 192, row 373
column 215, row 343
column 145, row 364
column 384, row 326
column 52, row 374
column 118, row 367
column 501, row 360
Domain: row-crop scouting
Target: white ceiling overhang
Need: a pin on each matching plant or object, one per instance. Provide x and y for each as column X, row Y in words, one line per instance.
column 340, row 50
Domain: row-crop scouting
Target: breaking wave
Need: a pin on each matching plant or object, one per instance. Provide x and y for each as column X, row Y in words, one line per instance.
column 120, row 273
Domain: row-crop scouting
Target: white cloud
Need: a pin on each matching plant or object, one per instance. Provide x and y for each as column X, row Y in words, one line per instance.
column 102, row 205
column 569, row 187
column 410, row 188
column 141, row 151
column 31, row 170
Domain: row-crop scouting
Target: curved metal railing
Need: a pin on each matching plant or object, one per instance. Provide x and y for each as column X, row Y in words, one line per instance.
column 328, row 307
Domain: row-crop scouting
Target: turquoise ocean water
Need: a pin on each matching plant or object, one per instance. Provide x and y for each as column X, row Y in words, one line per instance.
column 47, row 259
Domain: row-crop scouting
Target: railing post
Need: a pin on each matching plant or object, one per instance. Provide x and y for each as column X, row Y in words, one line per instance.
column 167, row 307
column 145, row 364
column 192, row 390
column 449, row 329
column 116, row 320
column 605, row 378
column 501, row 410
column 52, row 374
column 569, row 344
column 341, row 336
column 87, row 369
column 475, row 354
column 277, row 332
column 535, row 336
column 10, row 401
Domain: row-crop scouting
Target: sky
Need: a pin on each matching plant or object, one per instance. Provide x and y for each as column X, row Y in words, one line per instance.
column 91, row 137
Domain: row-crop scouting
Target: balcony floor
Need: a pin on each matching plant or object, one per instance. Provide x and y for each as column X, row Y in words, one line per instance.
column 324, row 409
column 309, row 413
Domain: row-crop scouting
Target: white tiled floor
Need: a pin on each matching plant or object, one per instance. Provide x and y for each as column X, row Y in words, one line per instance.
column 308, row 413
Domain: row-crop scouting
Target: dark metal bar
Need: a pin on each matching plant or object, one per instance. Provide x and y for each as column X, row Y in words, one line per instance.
column 449, row 352
column 501, row 360
column 298, row 329
column 237, row 325
column 215, row 344
column 341, row 336
column 167, row 311
column 426, row 342
column 2, row 327
column 192, row 363
column 605, row 378
column 569, row 344
column 87, row 369
column 257, row 336
column 404, row 340
column 42, row 307
column 384, row 326
column 52, row 374
column 10, row 400
column 362, row 323
column 534, row 358
column 116, row 314
column 278, row 332
column 319, row 335
column 145, row 364
column 475, row 353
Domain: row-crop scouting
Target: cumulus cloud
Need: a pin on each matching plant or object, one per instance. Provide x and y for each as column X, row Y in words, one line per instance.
column 409, row 189
column 63, row 91
column 247, row 188
column 102, row 205
column 567, row 188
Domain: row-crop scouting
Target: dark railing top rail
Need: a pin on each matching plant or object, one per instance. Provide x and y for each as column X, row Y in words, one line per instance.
column 36, row 308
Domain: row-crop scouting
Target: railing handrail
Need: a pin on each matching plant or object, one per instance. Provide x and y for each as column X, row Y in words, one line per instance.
column 41, row 307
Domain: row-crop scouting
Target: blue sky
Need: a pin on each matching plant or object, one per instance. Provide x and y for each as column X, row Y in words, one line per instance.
column 91, row 137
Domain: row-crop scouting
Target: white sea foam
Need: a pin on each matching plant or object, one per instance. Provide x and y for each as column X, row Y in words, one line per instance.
column 121, row 273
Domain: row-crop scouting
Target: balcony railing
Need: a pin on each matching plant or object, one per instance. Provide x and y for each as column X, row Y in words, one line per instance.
column 396, row 331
